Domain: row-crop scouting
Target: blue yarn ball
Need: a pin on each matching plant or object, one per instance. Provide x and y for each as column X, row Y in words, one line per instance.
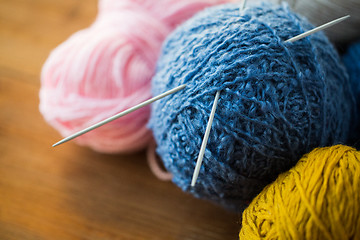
column 351, row 60
column 278, row 100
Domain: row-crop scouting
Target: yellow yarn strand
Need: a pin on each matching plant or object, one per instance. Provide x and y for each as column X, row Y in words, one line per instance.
column 319, row 198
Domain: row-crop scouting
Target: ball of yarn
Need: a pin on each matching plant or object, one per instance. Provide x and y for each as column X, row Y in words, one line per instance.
column 322, row 11
column 351, row 60
column 319, row 198
column 107, row 68
column 278, row 100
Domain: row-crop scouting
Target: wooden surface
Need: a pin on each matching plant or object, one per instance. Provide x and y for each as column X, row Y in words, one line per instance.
column 71, row 192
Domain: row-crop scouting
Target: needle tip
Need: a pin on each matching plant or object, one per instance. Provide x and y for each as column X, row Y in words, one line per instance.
column 58, row 143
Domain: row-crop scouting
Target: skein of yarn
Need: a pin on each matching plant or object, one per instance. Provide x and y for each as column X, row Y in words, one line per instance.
column 278, row 100
column 351, row 60
column 321, row 11
column 107, row 68
column 319, row 198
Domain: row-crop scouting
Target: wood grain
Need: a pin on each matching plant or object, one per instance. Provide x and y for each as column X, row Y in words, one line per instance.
column 71, row 192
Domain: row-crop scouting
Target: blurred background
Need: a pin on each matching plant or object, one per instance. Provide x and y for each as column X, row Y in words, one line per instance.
column 72, row 192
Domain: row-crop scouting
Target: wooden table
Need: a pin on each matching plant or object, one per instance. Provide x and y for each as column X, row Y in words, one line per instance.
column 71, row 192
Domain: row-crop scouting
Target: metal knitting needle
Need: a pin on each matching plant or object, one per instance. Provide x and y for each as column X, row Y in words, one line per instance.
column 243, row 3
column 317, row 29
column 205, row 140
column 132, row 109
column 208, row 127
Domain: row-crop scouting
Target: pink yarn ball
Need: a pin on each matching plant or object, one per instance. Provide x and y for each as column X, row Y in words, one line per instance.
column 107, row 68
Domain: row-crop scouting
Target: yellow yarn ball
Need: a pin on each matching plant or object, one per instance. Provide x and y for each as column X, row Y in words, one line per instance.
column 319, row 198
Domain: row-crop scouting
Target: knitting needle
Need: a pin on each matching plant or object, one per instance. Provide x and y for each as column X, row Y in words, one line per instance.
column 317, row 29
column 208, row 127
column 132, row 109
column 243, row 3
column 205, row 140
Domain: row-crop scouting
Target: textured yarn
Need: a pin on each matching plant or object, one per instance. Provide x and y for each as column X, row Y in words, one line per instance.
column 322, row 11
column 278, row 101
column 107, row 68
column 317, row 199
column 351, row 60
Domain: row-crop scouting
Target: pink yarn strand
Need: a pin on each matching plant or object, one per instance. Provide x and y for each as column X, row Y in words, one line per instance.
column 154, row 164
